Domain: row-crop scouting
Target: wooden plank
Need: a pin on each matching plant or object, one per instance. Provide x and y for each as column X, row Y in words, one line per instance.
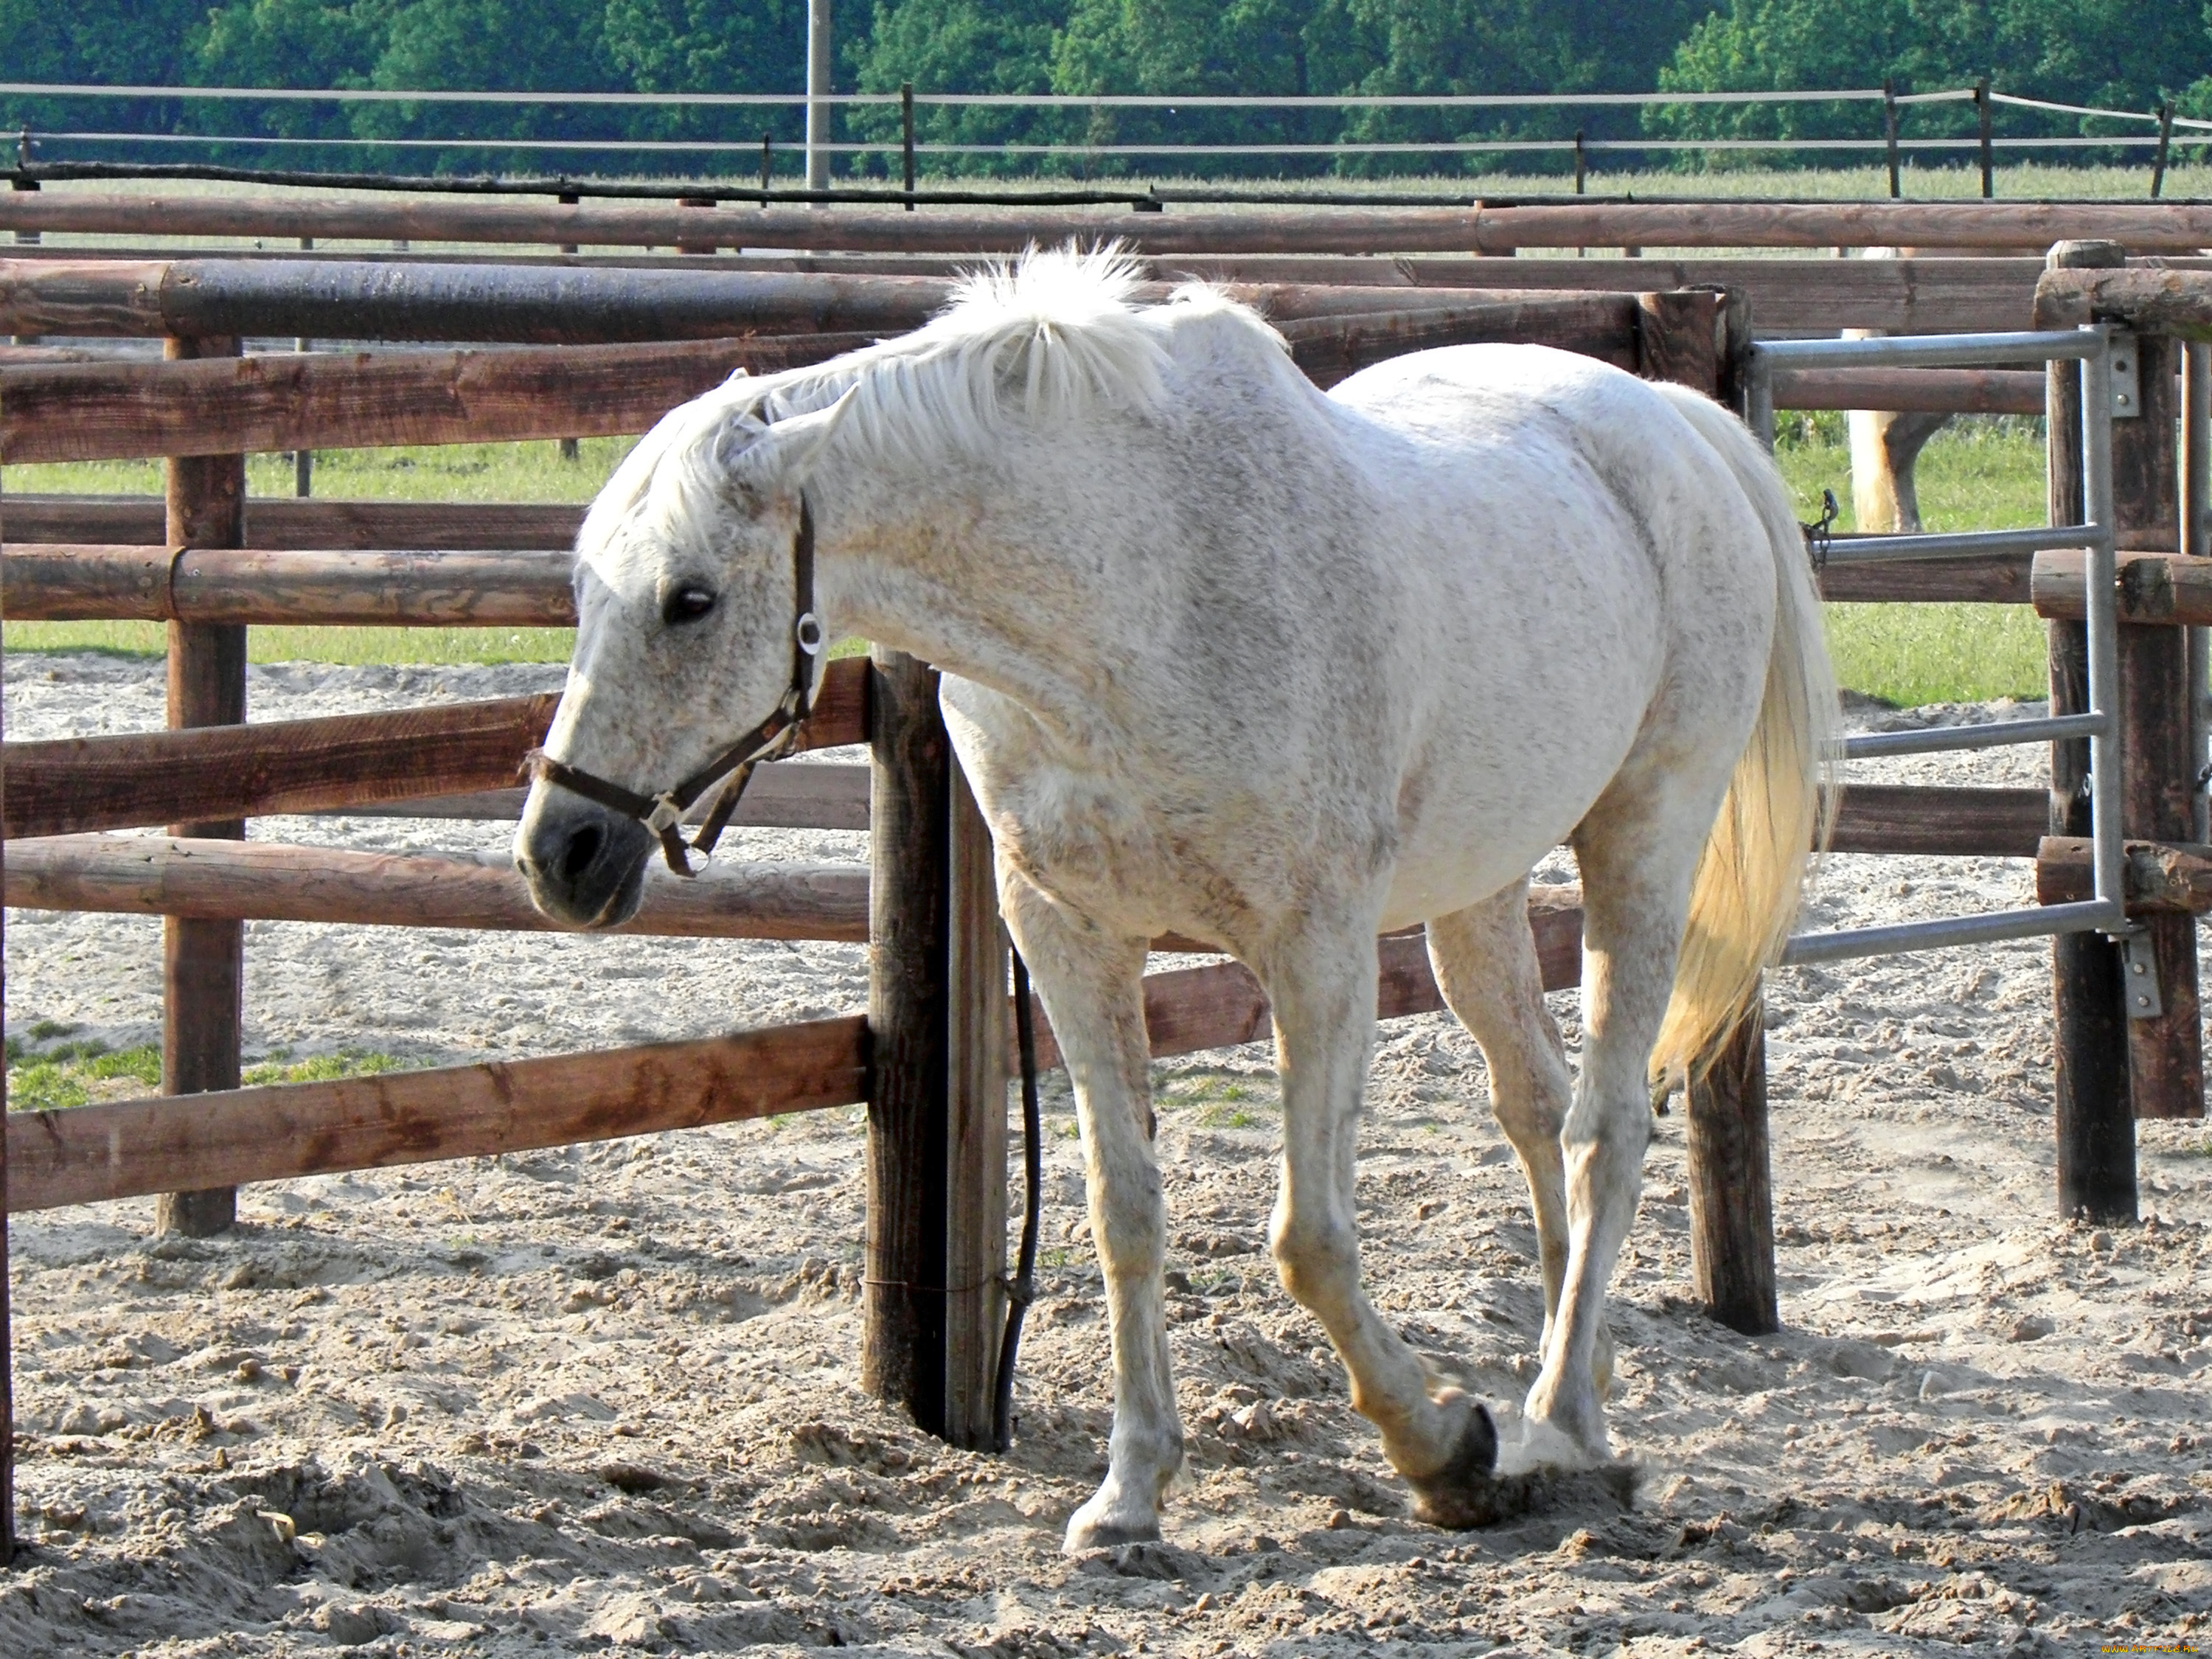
column 268, row 881
column 2094, row 1122
column 2158, row 762
column 2171, row 877
column 337, row 400
column 203, row 958
column 1330, row 347
column 1999, row 578
column 979, row 1033
column 1934, row 391
column 832, row 795
column 518, row 298
column 902, row 1298
column 2153, row 587
column 1731, row 1184
column 2149, row 227
column 2174, row 303
column 289, row 522
column 1188, row 1010
column 129, row 1148
column 1941, row 820
column 317, row 587
column 72, row 785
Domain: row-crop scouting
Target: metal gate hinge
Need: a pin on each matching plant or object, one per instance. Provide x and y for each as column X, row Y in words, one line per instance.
column 2139, row 974
column 2127, row 377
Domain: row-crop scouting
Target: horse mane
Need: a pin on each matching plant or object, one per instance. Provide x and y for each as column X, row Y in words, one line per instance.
column 1050, row 337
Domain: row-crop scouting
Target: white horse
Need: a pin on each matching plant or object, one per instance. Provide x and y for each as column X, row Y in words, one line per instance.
column 1229, row 657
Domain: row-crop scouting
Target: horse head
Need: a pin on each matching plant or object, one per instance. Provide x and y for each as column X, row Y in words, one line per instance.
column 694, row 624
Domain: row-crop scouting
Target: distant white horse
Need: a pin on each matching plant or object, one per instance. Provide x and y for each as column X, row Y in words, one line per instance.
column 1229, row 657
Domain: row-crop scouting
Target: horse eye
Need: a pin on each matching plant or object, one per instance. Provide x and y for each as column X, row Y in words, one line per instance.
column 686, row 604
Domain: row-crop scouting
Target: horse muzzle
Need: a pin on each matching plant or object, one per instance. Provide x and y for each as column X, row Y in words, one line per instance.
column 585, row 863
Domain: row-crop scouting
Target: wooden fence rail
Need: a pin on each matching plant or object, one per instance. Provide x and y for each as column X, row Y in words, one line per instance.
column 267, row 881
column 75, row 785
column 79, row 292
column 2149, row 227
column 291, row 524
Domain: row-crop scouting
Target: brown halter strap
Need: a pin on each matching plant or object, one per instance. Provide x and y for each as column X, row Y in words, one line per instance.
column 663, row 814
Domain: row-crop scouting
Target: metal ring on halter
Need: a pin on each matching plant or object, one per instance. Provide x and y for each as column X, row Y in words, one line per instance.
column 808, row 633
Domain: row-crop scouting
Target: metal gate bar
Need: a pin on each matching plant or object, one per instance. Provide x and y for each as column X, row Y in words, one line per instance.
column 2092, row 347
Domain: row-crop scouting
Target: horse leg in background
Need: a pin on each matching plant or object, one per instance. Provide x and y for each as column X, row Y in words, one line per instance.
column 1884, row 445
column 1484, row 960
column 1323, row 987
column 1638, row 848
column 1093, row 992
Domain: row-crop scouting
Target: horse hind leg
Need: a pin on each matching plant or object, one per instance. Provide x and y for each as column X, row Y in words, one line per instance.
column 1485, row 961
column 1093, row 992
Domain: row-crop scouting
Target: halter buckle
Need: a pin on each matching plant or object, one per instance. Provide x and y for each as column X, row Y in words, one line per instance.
column 664, row 816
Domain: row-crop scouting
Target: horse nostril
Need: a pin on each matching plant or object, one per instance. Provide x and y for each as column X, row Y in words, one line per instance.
column 581, row 853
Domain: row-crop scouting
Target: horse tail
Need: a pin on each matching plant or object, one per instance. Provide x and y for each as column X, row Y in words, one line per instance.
column 1780, row 807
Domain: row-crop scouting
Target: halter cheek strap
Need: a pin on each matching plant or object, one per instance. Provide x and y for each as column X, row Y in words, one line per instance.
column 732, row 767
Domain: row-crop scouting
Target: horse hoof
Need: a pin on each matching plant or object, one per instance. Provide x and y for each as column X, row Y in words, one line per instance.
column 1545, row 1489
column 1442, row 1496
column 1096, row 1526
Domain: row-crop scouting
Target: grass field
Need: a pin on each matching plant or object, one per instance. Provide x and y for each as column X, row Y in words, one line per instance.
column 1985, row 473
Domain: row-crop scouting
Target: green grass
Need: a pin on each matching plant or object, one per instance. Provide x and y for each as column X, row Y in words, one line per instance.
column 67, row 1073
column 1985, row 473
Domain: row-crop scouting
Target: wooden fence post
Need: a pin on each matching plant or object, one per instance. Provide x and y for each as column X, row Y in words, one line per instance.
column 2094, row 1120
column 1700, row 339
column 937, row 1144
column 2158, row 762
column 204, row 961
column 1731, row 1188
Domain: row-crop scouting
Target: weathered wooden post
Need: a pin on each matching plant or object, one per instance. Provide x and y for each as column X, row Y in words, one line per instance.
column 2158, row 758
column 204, row 961
column 936, row 1013
column 2094, row 1121
column 1731, row 1184
column 1700, row 338
column 2196, row 544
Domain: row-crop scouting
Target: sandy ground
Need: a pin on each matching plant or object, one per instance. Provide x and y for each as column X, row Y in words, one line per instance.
column 605, row 1400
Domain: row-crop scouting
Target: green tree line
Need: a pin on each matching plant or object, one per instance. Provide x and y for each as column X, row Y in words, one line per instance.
column 2129, row 54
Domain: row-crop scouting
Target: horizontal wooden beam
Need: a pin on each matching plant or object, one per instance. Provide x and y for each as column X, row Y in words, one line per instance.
column 125, row 1148
column 1187, row 1010
column 1997, row 579
column 326, row 400
column 825, row 795
column 339, row 400
column 2153, row 587
column 1929, row 390
column 2156, row 875
column 78, row 785
column 1943, row 820
column 290, row 523
column 512, row 298
column 268, row 881
column 333, row 588
column 2150, row 227
column 2150, row 300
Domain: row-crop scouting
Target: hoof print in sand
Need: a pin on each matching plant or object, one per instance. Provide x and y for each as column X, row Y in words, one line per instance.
column 1493, row 1499
column 1149, row 1559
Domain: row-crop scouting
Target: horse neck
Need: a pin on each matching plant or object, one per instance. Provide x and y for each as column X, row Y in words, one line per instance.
column 967, row 566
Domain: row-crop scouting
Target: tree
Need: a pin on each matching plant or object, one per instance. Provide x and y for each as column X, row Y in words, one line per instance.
column 962, row 46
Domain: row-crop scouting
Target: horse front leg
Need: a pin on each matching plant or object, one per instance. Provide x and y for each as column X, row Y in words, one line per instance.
column 1092, row 985
column 1444, row 1444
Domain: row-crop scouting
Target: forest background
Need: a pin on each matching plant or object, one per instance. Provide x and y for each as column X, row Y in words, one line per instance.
column 2124, row 54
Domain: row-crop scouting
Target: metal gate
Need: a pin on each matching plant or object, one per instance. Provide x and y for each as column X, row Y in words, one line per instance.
column 2093, row 347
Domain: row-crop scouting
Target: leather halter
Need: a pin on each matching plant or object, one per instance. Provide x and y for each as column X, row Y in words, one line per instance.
column 663, row 813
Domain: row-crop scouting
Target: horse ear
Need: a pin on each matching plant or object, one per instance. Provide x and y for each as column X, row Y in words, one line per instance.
column 781, row 455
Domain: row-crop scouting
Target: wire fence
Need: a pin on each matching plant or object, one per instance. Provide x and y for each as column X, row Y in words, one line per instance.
column 44, row 152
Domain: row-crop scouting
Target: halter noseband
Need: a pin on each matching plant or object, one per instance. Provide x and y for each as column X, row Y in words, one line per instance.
column 663, row 814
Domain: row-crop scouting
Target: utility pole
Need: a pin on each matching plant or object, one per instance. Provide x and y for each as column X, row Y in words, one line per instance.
column 817, row 95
